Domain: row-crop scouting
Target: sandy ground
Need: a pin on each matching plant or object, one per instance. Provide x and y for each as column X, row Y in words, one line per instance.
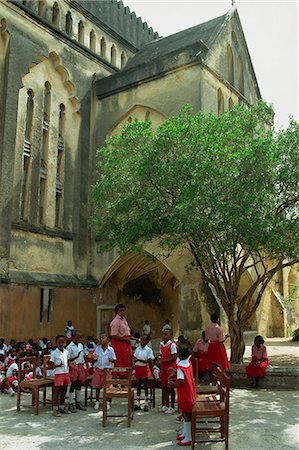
column 259, row 420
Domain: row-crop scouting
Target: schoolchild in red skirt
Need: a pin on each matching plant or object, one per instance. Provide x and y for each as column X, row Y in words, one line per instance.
column 259, row 361
column 200, row 352
column 168, row 355
column 216, row 351
column 59, row 363
column 186, row 392
column 77, row 372
column 105, row 359
column 143, row 357
column 120, row 337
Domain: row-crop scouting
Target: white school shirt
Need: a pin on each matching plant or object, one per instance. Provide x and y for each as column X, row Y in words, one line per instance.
column 58, row 356
column 103, row 357
column 69, row 330
column 143, row 353
column 183, row 363
column 74, row 350
column 173, row 348
column 12, row 367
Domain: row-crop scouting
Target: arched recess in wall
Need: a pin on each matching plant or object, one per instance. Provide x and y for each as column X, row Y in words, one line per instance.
column 54, row 137
column 92, row 40
column 113, row 55
column 220, row 102
column 240, row 76
column 140, row 112
column 42, row 8
column 103, row 47
column 230, row 66
column 81, row 32
column 230, row 103
column 55, row 15
column 123, row 59
column 69, row 23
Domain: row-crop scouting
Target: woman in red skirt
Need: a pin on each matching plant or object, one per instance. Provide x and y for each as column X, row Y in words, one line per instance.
column 216, row 351
column 186, row 391
column 259, row 361
column 120, row 337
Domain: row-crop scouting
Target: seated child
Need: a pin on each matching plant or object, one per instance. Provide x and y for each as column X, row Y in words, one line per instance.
column 259, row 361
column 143, row 358
column 105, row 358
column 12, row 376
column 4, row 383
column 59, row 363
column 11, row 358
column 186, row 391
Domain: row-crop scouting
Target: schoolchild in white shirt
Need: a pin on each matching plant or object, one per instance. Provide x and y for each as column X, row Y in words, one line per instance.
column 77, row 372
column 59, row 364
column 105, row 358
column 143, row 357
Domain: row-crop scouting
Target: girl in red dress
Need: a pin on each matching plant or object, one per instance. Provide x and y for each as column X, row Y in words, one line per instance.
column 186, row 391
column 216, row 351
column 168, row 354
column 259, row 361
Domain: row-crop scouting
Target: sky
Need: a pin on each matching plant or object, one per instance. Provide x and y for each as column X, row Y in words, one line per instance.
column 271, row 32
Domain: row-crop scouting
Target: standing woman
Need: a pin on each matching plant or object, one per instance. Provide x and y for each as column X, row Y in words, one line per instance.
column 120, row 337
column 216, row 350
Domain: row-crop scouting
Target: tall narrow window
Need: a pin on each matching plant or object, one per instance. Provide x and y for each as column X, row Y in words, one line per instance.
column 42, row 199
column 69, row 23
column 103, row 47
column 92, row 41
column 240, row 76
column 27, row 156
column 47, row 104
column 81, row 32
column 230, row 65
column 220, row 101
column 41, row 305
column 113, row 55
column 42, row 8
column 55, row 14
column 230, row 103
column 122, row 60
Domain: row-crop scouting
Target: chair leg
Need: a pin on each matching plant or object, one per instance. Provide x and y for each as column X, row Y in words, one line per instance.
column 44, row 395
column 129, row 411
column 36, row 401
column 85, row 399
column 19, row 398
column 104, row 411
column 222, row 428
column 193, row 430
column 226, row 432
column 154, row 397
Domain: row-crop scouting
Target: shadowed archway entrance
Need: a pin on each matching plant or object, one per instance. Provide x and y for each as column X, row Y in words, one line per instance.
column 147, row 288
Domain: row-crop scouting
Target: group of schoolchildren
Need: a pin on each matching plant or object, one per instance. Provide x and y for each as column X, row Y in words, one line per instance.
column 71, row 361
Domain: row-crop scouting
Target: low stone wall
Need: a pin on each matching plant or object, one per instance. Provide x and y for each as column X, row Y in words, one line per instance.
column 285, row 377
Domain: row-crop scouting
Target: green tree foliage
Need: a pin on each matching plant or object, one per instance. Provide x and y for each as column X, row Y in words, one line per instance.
column 226, row 188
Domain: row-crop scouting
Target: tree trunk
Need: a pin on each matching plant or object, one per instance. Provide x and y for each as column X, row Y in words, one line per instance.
column 237, row 342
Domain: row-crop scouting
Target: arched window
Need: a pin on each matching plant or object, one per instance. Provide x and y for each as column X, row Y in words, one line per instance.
column 92, row 41
column 103, row 47
column 42, row 8
column 29, row 115
column 113, row 55
column 230, row 65
column 220, row 101
column 55, row 14
column 122, row 60
column 240, row 76
column 230, row 103
column 69, row 23
column 61, row 134
column 81, row 32
column 27, row 157
column 47, row 104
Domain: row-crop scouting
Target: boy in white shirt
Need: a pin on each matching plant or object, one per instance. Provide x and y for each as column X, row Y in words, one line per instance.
column 143, row 357
column 77, row 372
column 105, row 358
column 59, row 363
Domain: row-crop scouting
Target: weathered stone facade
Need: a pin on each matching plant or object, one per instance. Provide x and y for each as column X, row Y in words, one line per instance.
column 71, row 73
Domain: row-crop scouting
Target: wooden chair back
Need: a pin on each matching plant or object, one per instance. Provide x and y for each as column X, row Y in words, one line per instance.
column 22, row 371
column 120, row 376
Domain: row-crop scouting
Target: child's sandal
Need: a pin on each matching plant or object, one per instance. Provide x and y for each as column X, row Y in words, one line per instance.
column 56, row 413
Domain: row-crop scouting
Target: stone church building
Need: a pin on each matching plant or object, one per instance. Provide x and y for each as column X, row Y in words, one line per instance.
column 71, row 74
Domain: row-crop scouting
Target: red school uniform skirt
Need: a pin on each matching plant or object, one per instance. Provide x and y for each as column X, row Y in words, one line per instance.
column 97, row 379
column 142, row 371
column 187, row 391
column 257, row 371
column 123, row 352
column 217, row 354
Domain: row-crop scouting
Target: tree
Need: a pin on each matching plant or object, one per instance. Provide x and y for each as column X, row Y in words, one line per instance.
column 226, row 188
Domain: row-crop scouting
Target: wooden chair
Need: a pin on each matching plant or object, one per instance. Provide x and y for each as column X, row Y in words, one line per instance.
column 204, row 389
column 33, row 385
column 118, row 387
column 209, row 408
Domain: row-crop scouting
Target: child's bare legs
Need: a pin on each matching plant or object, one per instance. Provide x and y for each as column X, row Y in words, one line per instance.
column 165, row 396
column 172, row 397
column 137, row 403
column 56, row 395
column 98, row 395
column 62, row 395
